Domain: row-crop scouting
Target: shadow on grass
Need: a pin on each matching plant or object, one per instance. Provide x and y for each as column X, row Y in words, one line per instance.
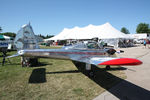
column 62, row 72
column 113, row 69
column 40, row 64
column 125, row 90
column 38, row 76
column 14, row 63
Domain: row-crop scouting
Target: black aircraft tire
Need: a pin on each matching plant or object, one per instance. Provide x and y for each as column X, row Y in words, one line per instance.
column 91, row 74
column 108, row 67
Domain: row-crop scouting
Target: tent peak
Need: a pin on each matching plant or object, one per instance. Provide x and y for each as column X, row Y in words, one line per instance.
column 107, row 23
column 90, row 25
column 76, row 27
column 66, row 29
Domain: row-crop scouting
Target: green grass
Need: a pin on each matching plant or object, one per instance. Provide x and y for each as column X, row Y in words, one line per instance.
column 54, row 80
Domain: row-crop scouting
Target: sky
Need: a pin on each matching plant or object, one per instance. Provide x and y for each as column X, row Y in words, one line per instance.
column 50, row 17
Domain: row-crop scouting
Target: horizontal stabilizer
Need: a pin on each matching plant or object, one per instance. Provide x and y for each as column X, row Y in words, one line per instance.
column 13, row 56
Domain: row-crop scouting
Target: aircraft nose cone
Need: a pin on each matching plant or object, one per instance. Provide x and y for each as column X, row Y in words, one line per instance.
column 138, row 62
column 129, row 61
column 123, row 61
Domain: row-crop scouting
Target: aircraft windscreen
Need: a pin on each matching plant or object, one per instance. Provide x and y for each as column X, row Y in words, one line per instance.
column 92, row 46
column 76, row 46
column 80, row 46
column 83, row 46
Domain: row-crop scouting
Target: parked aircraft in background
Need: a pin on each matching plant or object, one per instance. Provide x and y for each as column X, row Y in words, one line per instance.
column 3, row 49
column 3, row 45
column 88, row 53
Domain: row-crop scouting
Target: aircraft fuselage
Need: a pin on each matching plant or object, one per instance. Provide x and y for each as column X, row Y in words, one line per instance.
column 61, row 53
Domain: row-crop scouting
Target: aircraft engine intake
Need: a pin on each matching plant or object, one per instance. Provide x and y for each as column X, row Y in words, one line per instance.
column 111, row 51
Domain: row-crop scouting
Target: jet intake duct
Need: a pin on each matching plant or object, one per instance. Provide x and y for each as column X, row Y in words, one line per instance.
column 111, row 51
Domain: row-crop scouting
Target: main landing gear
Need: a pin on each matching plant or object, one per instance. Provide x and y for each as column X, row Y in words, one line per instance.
column 28, row 62
column 91, row 72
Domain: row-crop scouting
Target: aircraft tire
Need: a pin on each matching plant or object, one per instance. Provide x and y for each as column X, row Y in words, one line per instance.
column 91, row 74
column 108, row 67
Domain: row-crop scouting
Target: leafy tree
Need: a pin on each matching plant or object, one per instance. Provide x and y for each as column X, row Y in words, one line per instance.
column 49, row 36
column 143, row 28
column 125, row 30
column 10, row 34
column 45, row 37
column 41, row 36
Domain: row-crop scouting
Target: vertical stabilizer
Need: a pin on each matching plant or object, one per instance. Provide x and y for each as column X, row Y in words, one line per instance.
column 25, row 38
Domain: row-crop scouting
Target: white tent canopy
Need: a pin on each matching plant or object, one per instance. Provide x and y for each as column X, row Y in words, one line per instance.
column 105, row 31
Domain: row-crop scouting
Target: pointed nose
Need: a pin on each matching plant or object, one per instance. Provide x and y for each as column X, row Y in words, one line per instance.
column 138, row 62
column 122, row 61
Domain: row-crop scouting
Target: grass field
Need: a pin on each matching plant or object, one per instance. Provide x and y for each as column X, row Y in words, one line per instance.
column 54, row 80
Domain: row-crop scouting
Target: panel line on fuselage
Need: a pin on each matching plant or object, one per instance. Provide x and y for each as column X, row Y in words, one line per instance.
column 61, row 51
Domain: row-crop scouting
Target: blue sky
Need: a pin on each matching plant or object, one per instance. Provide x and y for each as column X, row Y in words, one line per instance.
column 52, row 16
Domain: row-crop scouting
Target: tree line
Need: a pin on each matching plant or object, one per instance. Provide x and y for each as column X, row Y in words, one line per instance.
column 45, row 37
column 141, row 28
column 11, row 34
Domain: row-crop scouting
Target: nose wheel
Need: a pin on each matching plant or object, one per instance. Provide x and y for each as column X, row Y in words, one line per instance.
column 91, row 74
column 108, row 67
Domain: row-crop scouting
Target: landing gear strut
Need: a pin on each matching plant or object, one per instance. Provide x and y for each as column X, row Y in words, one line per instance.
column 89, row 70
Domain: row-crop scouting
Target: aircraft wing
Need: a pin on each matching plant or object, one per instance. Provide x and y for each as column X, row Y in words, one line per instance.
column 107, row 61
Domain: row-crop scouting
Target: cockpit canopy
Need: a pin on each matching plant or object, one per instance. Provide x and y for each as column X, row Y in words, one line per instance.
column 83, row 46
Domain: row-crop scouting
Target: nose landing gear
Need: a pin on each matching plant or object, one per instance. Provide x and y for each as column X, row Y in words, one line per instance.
column 107, row 67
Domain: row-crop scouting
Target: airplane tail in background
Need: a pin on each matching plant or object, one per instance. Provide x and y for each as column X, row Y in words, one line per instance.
column 25, row 38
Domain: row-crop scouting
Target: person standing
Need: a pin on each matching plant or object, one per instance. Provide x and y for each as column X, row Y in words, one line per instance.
column 144, row 43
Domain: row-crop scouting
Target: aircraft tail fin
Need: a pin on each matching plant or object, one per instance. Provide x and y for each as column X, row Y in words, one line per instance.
column 25, row 38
